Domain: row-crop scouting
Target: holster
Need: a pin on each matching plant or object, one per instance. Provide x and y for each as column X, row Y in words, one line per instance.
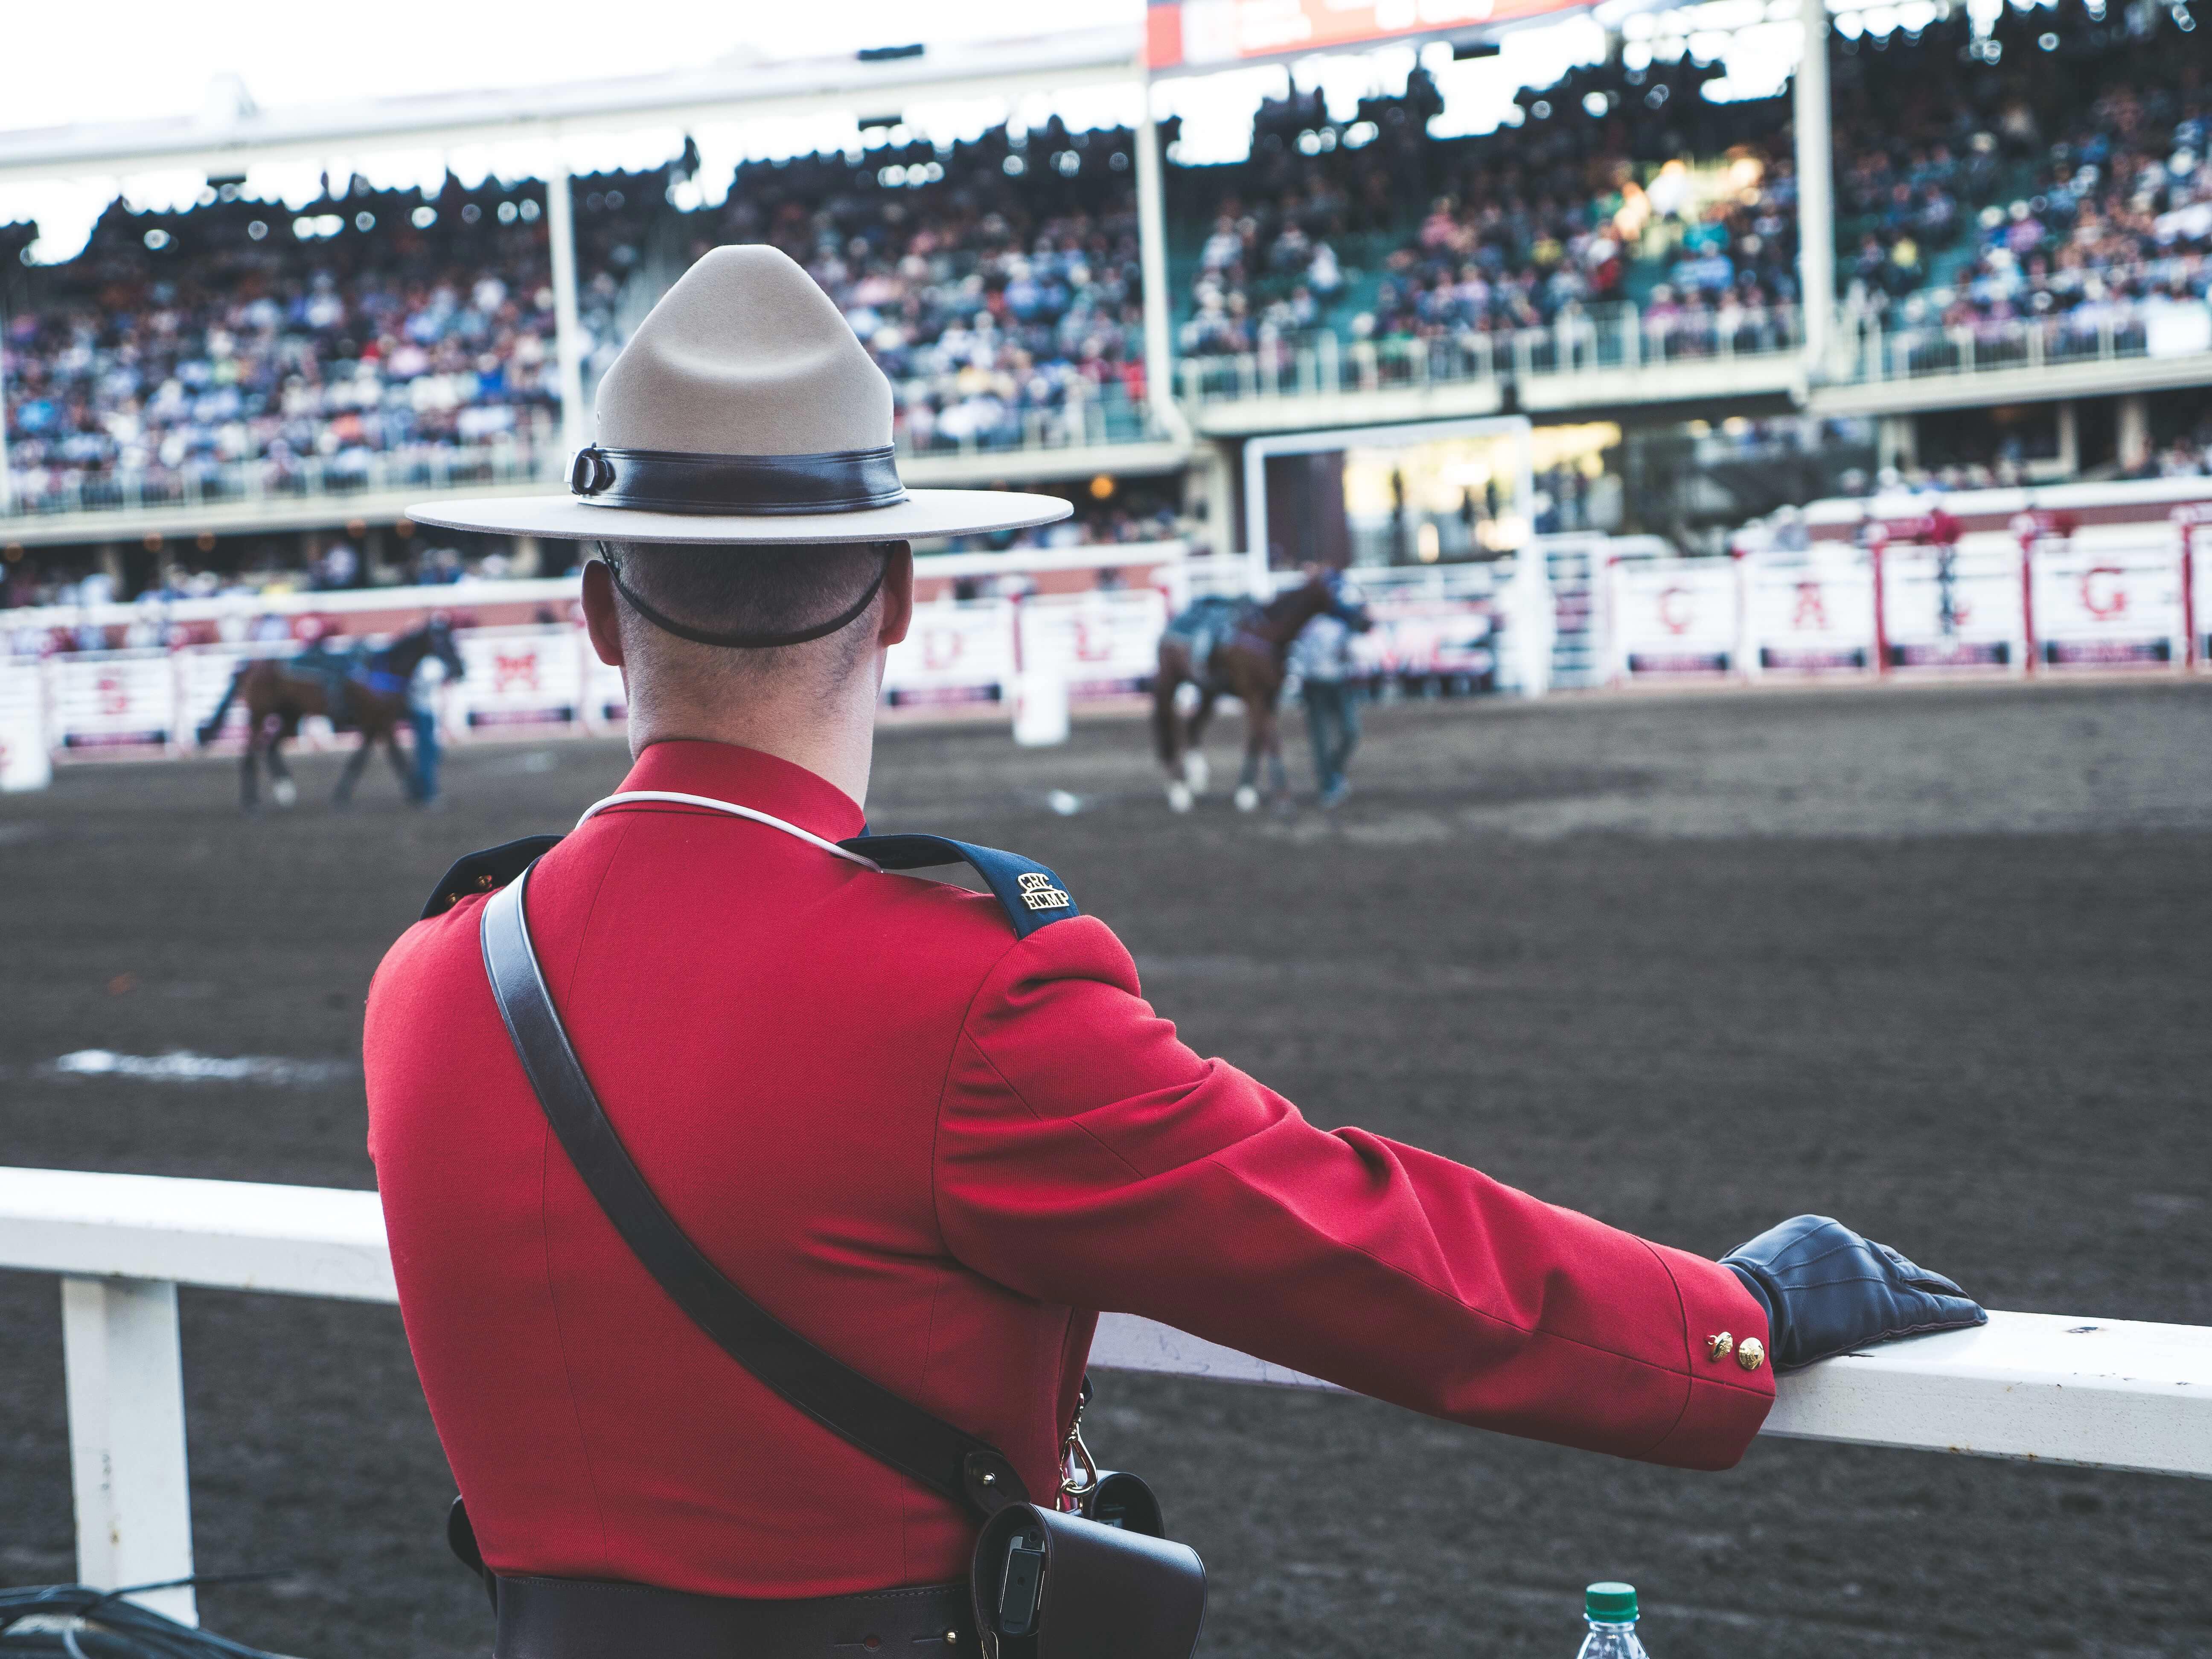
column 1109, row 1591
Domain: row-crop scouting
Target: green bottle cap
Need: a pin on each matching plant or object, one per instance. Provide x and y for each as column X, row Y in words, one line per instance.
column 1610, row 1603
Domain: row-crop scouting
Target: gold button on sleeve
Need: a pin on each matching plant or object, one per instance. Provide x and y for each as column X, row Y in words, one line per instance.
column 1752, row 1354
column 1718, row 1347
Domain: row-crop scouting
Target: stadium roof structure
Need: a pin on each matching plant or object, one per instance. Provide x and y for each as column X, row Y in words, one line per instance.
column 225, row 138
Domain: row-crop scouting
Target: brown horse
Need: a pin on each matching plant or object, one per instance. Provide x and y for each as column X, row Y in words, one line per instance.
column 1249, row 644
column 368, row 693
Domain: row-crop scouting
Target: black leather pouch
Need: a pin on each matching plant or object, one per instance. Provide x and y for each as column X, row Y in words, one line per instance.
column 1054, row 1586
column 1118, row 1498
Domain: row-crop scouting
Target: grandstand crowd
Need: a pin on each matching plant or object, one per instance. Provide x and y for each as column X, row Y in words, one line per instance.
column 2055, row 169
column 2063, row 173
column 1616, row 184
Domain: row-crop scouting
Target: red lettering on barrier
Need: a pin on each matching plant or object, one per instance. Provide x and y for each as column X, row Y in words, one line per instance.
column 522, row 669
column 2117, row 597
column 935, row 655
column 115, row 695
column 1092, row 644
column 1812, row 609
column 1669, row 619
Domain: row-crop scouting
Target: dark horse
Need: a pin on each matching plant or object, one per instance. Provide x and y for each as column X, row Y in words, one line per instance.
column 1236, row 647
column 364, row 692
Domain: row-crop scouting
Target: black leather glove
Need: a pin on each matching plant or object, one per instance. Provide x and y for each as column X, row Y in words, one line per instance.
column 1827, row 1291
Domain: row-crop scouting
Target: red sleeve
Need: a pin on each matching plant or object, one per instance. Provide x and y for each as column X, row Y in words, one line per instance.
column 1086, row 1156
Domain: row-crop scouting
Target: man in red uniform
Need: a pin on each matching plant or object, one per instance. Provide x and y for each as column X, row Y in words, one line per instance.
column 934, row 1130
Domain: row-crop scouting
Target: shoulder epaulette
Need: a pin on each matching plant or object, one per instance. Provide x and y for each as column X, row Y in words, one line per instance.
column 1031, row 892
column 481, row 872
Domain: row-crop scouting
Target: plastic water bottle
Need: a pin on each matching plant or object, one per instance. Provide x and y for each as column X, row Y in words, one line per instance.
column 1611, row 1610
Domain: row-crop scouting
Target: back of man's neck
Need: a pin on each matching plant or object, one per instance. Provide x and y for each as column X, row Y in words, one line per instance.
column 833, row 747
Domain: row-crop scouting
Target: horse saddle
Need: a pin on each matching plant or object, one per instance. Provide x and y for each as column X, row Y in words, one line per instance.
column 340, row 674
column 1208, row 622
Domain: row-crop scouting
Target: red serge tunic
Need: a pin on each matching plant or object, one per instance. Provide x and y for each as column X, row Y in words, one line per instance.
column 936, row 1152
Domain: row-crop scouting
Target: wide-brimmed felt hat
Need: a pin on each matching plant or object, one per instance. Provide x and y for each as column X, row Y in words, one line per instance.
column 744, row 410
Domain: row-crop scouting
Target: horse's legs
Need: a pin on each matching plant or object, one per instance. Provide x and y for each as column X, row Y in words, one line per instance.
column 1255, row 745
column 403, row 767
column 282, row 789
column 1195, row 772
column 1279, row 779
column 356, row 763
column 1168, row 735
column 249, row 770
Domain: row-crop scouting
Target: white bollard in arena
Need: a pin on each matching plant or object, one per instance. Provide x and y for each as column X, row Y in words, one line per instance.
column 1040, row 708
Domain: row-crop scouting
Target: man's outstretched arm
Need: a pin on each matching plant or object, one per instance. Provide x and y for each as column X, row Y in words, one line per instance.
column 1086, row 1155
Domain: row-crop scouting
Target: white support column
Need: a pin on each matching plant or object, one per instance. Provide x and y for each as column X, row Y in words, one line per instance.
column 7, row 483
column 567, row 332
column 125, row 1384
column 1816, row 191
column 2134, row 434
column 1256, row 522
column 1152, row 263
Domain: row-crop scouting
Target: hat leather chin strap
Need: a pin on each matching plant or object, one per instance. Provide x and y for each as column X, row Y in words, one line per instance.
column 668, row 624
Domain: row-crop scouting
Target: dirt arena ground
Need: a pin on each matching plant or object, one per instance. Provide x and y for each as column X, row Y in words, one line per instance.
column 1932, row 961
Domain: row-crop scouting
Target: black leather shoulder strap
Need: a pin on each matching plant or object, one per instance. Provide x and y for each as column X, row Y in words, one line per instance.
column 479, row 873
column 1031, row 893
column 958, row 1465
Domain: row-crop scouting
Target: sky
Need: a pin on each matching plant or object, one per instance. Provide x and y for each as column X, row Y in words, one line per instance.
column 61, row 68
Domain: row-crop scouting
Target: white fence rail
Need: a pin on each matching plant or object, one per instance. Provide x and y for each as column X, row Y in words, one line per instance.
column 2102, row 1394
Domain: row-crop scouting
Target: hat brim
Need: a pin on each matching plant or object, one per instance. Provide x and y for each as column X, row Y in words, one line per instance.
column 926, row 514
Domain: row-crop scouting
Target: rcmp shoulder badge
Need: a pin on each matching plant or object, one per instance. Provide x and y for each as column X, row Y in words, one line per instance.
column 482, row 872
column 1031, row 893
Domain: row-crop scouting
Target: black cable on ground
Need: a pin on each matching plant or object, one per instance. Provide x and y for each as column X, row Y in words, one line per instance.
column 80, row 1622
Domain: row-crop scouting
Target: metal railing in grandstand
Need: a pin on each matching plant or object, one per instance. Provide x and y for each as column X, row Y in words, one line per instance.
column 967, row 423
column 2092, row 334
column 1872, row 351
column 37, row 491
column 1615, row 337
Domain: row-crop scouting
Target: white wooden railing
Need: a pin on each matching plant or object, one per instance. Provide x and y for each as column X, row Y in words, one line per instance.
column 2098, row 1392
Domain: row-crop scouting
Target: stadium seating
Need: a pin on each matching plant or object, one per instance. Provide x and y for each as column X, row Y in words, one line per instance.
column 2057, row 164
column 370, row 329
column 1379, row 231
column 996, row 282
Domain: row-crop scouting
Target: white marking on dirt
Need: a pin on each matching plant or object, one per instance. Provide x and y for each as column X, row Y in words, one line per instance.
column 182, row 1065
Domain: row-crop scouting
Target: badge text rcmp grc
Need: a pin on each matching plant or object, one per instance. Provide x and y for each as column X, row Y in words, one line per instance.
column 1039, row 894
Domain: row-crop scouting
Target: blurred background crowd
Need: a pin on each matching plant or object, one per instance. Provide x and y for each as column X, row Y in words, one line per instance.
column 2054, row 167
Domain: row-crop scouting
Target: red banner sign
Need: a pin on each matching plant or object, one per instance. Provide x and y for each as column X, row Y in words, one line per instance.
column 1191, row 35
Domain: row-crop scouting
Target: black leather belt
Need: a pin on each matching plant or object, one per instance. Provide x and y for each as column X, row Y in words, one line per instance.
column 592, row 1619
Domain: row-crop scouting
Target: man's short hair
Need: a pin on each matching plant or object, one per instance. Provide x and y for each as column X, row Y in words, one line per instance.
column 782, row 589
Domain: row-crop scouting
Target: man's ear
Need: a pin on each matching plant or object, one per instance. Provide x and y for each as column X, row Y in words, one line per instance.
column 898, row 595
column 600, row 620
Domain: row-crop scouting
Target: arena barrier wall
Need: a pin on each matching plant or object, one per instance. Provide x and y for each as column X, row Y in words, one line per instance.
column 1983, row 605
column 2095, row 1393
column 531, row 671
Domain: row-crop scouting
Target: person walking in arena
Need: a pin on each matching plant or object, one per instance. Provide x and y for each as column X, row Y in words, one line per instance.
column 1320, row 657
column 752, row 1204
